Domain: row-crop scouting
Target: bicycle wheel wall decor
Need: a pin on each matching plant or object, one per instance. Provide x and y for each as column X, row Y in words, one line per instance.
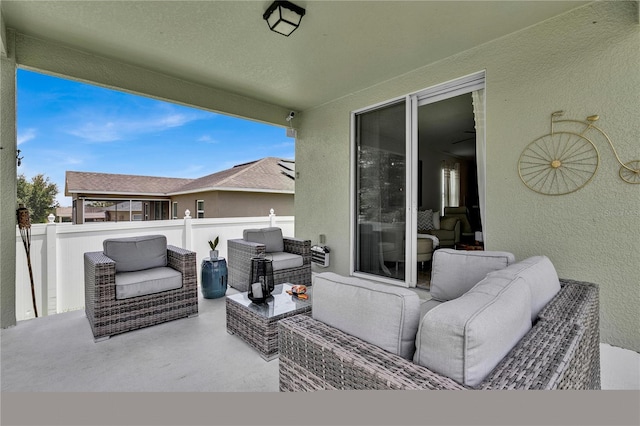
column 558, row 164
column 630, row 172
column 563, row 162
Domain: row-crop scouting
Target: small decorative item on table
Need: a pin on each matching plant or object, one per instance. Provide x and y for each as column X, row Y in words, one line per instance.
column 261, row 282
column 299, row 291
column 213, row 253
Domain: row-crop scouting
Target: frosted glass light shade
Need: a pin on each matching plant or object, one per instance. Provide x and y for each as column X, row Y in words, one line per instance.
column 283, row 17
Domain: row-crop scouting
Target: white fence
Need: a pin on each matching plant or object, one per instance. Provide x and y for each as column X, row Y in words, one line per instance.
column 57, row 253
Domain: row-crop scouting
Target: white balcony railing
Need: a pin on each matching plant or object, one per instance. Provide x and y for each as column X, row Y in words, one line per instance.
column 57, row 253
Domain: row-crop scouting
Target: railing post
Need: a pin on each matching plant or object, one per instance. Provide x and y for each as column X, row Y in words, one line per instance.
column 272, row 218
column 187, row 230
column 50, row 275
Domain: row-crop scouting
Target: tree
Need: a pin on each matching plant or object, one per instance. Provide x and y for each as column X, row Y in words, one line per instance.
column 38, row 196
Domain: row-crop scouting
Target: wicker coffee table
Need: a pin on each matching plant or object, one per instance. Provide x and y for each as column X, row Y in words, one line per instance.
column 258, row 324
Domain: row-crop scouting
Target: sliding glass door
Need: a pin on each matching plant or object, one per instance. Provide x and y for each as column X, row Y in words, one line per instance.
column 380, row 180
column 386, row 182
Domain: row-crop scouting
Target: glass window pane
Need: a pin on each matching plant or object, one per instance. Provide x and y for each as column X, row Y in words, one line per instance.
column 381, row 191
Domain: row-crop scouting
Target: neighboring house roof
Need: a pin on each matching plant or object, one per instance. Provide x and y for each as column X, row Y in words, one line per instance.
column 266, row 175
column 64, row 211
column 113, row 184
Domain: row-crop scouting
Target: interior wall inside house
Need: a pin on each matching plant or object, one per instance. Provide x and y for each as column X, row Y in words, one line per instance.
column 583, row 62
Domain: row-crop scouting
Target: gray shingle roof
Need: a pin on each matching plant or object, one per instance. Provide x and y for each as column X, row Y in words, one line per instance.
column 267, row 174
column 109, row 183
column 272, row 174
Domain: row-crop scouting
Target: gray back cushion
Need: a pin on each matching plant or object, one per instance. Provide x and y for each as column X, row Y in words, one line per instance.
column 465, row 338
column 137, row 253
column 384, row 315
column 541, row 277
column 273, row 239
column 253, row 235
column 454, row 272
column 270, row 237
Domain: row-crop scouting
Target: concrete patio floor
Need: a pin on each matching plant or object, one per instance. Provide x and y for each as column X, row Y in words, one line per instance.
column 57, row 353
column 192, row 372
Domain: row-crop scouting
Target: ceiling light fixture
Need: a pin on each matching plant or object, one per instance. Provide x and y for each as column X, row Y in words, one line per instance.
column 283, row 17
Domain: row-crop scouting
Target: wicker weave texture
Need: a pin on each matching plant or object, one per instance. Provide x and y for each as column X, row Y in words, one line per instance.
column 561, row 351
column 240, row 253
column 108, row 316
column 259, row 332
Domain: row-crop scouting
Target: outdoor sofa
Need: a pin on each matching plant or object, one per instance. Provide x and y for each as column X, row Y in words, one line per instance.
column 519, row 327
column 136, row 282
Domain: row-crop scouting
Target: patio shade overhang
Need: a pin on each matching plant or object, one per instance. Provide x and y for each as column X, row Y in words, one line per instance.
column 342, row 47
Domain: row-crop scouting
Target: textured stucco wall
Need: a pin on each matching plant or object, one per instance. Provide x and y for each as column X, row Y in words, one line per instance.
column 8, row 171
column 584, row 62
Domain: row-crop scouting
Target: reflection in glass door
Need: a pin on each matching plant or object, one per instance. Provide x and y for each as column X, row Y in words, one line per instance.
column 380, row 197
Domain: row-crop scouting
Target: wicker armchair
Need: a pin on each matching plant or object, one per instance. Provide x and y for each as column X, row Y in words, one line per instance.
column 240, row 252
column 109, row 315
column 561, row 351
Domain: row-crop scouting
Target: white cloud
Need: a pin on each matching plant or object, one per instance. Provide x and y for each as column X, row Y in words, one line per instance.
column 206, row 139
column 105, row 132
column 109, row 130
column 26, row 136
column 169, row 121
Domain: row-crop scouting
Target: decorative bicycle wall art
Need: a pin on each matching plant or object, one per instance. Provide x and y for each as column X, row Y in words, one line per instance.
column 562, row 162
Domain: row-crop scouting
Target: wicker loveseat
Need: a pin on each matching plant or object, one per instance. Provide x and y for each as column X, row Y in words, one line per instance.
column 291, row 257
column 559, row 350
column 137, row 282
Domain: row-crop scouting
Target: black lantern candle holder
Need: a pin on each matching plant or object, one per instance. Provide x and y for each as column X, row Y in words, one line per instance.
column 261, row 280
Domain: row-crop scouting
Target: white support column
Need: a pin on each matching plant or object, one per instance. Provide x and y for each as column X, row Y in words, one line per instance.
column 8, row 172
column 187, row 237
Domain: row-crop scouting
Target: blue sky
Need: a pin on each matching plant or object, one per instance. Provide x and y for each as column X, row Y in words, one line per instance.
column 66, row 125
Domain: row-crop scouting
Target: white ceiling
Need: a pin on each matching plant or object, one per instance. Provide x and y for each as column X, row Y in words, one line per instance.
column 341, row 47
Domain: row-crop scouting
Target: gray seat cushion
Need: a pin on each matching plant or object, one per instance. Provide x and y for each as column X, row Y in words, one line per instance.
column 149, row 281
column 137, row 253
column 541, row 277
column 465, row 338
column 283, row 260
column 384, row 315
column 454, row 272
